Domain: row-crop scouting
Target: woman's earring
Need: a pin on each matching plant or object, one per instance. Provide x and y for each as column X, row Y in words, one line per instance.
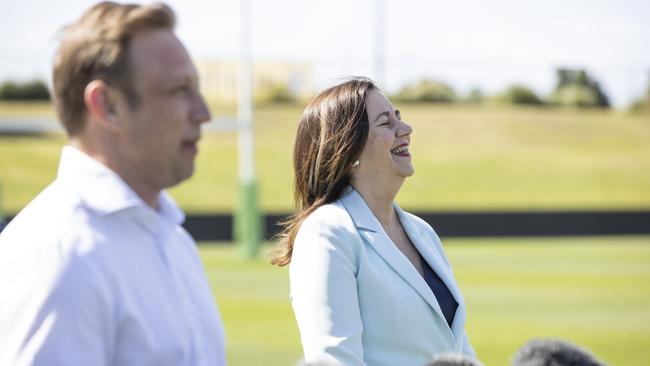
column 355, row 164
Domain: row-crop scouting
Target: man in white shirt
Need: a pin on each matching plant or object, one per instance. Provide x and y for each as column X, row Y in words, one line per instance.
column 97, row 269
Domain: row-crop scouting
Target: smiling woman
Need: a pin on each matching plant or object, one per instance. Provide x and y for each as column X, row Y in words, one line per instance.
column 370, row 283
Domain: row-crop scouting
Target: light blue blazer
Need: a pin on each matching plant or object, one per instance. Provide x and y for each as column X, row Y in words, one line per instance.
column 359, row 301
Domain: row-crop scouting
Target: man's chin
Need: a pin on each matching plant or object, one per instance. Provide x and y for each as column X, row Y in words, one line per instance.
column 180, row 175
column 186, row 174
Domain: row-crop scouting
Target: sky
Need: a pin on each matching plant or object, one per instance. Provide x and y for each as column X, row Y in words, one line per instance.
column 465, row 43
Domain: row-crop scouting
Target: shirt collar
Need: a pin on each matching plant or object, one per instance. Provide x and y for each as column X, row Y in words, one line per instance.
column 105, row 192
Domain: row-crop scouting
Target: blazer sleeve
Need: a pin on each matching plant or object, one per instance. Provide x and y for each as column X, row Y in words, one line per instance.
column 323, row 283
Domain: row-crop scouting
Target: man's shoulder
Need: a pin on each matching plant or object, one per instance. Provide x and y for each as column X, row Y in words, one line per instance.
column 47, row 217
column 53, row 198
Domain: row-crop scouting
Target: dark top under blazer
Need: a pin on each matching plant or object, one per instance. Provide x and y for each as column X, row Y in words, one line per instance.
column 445, row 299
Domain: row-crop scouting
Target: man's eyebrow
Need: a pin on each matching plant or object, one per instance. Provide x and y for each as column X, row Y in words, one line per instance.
column 386, row 113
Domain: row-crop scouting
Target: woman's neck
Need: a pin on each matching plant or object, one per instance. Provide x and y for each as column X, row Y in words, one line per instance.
column 379, row 199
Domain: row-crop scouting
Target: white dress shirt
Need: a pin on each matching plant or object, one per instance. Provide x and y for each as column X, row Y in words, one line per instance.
column 91, row 275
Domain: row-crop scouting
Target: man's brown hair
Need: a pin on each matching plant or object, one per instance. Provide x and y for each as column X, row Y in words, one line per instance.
column 96, row 47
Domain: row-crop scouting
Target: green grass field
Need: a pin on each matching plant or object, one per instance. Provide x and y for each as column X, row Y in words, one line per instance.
column 465, row 158
column 594, row 292
column 22, row 109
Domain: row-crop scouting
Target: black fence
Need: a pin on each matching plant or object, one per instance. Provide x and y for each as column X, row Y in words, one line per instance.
column 218, row 227
column 469, row 224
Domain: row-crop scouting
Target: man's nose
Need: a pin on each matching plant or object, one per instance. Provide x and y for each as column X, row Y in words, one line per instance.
column 200, row 111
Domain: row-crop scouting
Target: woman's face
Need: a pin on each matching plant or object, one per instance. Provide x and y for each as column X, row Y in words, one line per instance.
column 386, row 153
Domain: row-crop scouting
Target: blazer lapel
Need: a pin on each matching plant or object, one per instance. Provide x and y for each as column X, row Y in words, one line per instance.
column 436, row 262
column 370, row 229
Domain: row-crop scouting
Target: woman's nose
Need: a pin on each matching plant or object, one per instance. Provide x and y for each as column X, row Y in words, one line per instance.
column 405, row 129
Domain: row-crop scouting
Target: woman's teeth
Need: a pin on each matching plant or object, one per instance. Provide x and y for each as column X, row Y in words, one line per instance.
column 404, row 149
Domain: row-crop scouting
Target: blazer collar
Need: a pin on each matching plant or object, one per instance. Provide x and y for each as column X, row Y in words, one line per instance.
column 359, row 211
column 370, row 229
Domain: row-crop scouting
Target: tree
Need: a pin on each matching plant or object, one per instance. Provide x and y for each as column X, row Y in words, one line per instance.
column 575, row 87
column 426, row 90
column 519, row 94
column 32, row 90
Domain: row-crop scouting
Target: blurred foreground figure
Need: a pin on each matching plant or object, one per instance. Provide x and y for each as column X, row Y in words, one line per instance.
column 453, row 359
column 97, row 269
column 448, row 359
column 553, row 352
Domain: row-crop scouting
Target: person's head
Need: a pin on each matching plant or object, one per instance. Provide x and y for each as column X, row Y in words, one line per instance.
column 332, row 133
column 126, row 92
column 385, row 160
column 342, row 125
column 553, row 352
column 453, row 359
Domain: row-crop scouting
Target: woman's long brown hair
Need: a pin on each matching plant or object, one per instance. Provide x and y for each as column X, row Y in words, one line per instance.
column 331, row 135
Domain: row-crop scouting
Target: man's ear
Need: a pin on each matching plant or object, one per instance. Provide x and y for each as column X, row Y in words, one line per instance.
column 103, row 104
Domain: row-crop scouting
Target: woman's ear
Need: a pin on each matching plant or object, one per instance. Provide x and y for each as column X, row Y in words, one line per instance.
column 103, row 104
